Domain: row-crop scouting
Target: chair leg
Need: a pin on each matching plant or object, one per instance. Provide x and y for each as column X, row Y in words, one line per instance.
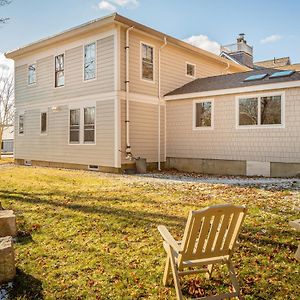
column 233, row 277
column 166, row 272
column 175, row 275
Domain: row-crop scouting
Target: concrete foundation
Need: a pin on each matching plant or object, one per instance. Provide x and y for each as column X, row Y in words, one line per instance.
column 279, row 169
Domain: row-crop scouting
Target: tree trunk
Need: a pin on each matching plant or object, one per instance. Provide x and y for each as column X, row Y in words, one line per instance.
column 1, row 136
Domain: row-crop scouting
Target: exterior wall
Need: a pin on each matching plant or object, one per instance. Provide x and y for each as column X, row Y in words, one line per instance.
column 173, row 65
column 143, row 130
column 227, row 142
column 32, row 100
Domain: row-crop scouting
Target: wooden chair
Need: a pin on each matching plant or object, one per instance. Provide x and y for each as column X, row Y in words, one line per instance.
column 209, row 238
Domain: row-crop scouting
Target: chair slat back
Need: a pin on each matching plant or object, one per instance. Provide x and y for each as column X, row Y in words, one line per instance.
column 211, row 232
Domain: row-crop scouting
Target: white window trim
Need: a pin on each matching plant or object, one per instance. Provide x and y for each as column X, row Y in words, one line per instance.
column 81, row 108
column 47, row 120
column 260, row 126
column 141, row 63
column 21, row 113
column 54, row 73
column 211, row 127
column 96, row 61
column 195, row 70
column 34, row 83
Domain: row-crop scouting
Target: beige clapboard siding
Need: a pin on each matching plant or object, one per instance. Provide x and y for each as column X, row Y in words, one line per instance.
column 55, row 147
column 227, row 142
column 43, row 91
column 143, row 130
column 173, row 67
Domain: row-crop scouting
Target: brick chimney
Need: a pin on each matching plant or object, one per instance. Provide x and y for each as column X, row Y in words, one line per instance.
column 241, row 51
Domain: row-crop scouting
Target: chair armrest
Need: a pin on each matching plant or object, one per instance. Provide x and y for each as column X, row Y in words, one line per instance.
column 168, row 238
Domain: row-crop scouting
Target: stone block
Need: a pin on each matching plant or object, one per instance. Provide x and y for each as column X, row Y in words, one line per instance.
column 7, row 259
column 7, row 223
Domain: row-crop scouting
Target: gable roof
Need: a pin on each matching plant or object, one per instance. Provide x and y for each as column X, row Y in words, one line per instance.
column 230, row 81
column 274, row 63
column 123, row 21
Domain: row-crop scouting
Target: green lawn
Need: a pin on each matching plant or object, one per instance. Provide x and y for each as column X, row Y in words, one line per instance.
column 84, row 235
column 5, row 160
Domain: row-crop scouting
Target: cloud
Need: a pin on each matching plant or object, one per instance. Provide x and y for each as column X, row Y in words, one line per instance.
column 203, row 42
column 113, row 5
column 271, row 39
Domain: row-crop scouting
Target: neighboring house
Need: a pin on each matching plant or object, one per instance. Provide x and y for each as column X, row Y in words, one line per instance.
column 274, row 63
column 8, row 140
column 93, row 97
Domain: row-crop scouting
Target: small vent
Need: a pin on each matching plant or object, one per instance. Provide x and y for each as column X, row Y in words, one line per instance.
column 93, row 168
column 27, row 163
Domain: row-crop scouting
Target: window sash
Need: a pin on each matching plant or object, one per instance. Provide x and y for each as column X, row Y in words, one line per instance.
column 21, row 124
column 190, row 70
column 89, row 124
column 147, row 62
column 32, row 74
column 59, row 70
column 261, row 111
column 203, row 114
column 74, row 126
column 43, row 122
column 90, row 61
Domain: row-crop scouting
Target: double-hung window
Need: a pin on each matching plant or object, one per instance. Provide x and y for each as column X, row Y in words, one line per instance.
column 32, row 74
column 147, row 57
column 59, row 70
column 203, row 114
column 75, row 126
column 21, row 124
column 89, row 124
column 90, row 61
column 260, row 111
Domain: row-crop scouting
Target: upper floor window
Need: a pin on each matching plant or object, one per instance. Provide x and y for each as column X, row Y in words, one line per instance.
column 190, row 70
column 89, row 124
column 21, row 124
column 43, row 122
column 32, row 74
column 59, row 70
column 203, row 114
column 147, row 53
column 90, row 61
column 263, row 110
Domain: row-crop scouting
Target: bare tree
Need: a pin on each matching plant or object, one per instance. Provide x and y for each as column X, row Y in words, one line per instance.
column 2, row 3
column 6, row 104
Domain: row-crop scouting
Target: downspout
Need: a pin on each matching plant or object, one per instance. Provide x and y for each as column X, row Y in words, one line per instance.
column 159, row 101
column 127, row 119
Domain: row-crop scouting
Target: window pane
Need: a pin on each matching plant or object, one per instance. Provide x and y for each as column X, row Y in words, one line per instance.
column 60, row 78
column 190, row 70
column 271, row 110
column 59, row 70
column 74, row 125
column 43, row 122
column 59, row 62
column 147, row 62
column 248, row 111
column 32, row 74
column 90, row 61
column 89, row 124
column 21, row 124
column 203, row 114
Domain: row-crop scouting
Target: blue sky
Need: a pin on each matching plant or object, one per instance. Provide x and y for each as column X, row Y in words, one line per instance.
column 272, row 27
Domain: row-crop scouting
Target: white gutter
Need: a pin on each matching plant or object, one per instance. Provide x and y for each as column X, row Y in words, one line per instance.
column 159, row 101
column 246, row 89
column 127, row 119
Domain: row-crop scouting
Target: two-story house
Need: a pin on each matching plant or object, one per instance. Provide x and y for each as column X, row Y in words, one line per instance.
column 95, row 96
column 92, row 95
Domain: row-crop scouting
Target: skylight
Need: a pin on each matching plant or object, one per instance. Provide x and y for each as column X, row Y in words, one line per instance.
column 282, row 74
column 256, row 77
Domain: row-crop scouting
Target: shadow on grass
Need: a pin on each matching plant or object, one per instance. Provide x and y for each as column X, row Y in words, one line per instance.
column 26, row 286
